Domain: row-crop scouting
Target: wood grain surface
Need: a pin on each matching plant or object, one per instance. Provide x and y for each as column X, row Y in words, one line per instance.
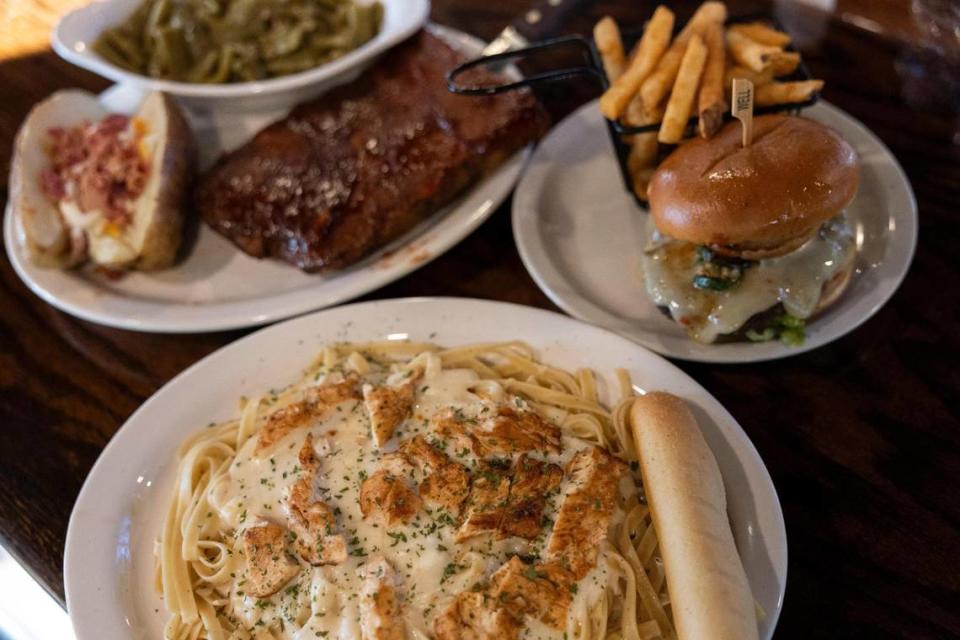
column 862, row 437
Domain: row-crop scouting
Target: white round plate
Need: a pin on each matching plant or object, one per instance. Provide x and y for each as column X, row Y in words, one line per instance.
column 219, row 287
column 580, row 236
column 108, row 561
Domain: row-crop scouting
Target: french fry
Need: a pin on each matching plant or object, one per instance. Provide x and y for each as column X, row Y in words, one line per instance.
column 750, row 53
column 606, row 34
column 656, row 86
column 639, row 114
column 656, row 38
column 785, row 63
column 705, row 14
column 644, row 146
column 762, row 33
column 758, row 78
column 668, row 81
column 711, row 106
column 785, row 92
column 643, row 153
column 641, row 180
column 635, row 114
column 684, row 90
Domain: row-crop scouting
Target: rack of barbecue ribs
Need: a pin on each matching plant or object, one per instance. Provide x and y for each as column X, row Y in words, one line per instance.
column 347, row 173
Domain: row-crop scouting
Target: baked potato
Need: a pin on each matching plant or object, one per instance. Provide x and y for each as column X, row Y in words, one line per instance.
column 86, row 185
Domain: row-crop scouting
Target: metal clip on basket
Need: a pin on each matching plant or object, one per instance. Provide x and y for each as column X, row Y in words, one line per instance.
column 593, row 68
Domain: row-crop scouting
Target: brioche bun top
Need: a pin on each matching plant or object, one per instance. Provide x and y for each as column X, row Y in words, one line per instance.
column 760, row 201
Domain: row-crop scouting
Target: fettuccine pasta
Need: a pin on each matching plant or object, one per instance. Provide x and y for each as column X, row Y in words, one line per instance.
column 408, row 547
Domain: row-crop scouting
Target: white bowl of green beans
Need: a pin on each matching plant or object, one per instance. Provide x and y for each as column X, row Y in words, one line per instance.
column 235, row 55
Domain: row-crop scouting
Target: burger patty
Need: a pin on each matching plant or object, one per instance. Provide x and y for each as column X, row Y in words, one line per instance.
column 756, row 325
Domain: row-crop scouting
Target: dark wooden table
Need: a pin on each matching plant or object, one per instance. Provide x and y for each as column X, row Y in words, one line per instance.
column 862, row 437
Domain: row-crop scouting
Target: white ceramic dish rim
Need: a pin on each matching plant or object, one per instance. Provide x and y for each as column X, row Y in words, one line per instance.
column 150, row 316
column 443, row 230
column 415, row 17
column 550, row 280
column 88, row 588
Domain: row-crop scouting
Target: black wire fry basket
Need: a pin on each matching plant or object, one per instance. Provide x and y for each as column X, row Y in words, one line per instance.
column 591, row 66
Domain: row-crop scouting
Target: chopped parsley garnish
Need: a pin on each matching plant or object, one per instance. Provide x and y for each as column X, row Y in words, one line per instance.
column 449, row 571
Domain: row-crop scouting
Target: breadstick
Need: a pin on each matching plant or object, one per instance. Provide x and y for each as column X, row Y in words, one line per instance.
column 709, row 594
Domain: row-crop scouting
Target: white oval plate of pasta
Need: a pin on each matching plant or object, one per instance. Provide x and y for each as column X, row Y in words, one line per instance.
column 422, row 468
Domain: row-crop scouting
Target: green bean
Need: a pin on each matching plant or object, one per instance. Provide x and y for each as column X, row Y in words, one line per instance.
column 136, row 23
column 118, row 47
column 215, row 41
column 292, row 63
column 331, row 5
column 159, row 14
column 371, row 17
column 326, row 43
column 283, row 39
column 222, row 71
column 175, row 47
column 209, row 7
column 202, row 71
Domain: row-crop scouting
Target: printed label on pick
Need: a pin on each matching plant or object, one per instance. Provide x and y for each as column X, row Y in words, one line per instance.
column 743, row 107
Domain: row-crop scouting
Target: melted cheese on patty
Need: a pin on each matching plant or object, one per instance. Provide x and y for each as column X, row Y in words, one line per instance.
column 796, row 280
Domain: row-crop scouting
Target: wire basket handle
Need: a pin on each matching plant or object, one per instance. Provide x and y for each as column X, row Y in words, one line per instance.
column 589, row 68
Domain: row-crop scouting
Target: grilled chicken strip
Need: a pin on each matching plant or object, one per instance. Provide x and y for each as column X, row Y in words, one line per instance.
column 531, row 481
column 505, row 433
column 380, row 609
column 542, row 591
column 588, row 504
column 510, row 431
column 315, row 403
column 311, row 519
column 268, row 565
column 444, row 483
column 476, row 616
column 496, row 610
column 388, row 406
column 487, row 503
column 389, row 496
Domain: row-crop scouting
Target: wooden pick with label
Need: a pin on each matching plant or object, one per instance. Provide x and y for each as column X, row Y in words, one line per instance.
column 742, row 108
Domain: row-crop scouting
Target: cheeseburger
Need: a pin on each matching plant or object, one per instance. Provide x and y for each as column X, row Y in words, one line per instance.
column 750, row 242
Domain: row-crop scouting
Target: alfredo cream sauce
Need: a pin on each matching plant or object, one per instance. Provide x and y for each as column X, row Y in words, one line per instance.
column 322, row 602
